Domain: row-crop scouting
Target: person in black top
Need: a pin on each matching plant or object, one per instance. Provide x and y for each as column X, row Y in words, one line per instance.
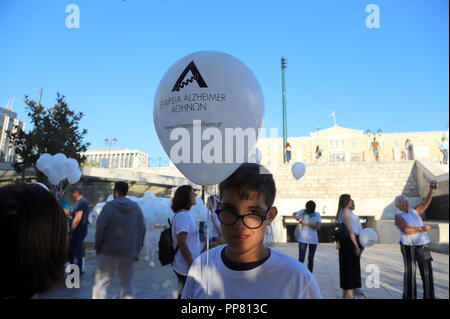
column 78, row 227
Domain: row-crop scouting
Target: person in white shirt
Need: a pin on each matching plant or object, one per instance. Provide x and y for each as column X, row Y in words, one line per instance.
column 244, row 267
column 414, row 240
column 185, row 237
column 310, row 222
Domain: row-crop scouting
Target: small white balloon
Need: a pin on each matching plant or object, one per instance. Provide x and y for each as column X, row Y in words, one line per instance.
column 48, row 168
column 71, row 164
column 298, row 170
column 60, row 161
column 74, row 176
column 368, row 237
column 54, row 178
column 42, row 161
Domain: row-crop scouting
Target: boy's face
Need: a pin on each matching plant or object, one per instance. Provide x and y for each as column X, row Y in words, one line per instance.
column 241, row 239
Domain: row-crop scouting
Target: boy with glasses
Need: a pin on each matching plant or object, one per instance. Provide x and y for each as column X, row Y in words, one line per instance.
column 244, row 267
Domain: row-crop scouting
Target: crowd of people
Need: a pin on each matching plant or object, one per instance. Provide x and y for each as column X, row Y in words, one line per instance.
column 39, row 236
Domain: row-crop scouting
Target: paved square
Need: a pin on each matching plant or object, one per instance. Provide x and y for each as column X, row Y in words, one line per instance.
column 160, row 282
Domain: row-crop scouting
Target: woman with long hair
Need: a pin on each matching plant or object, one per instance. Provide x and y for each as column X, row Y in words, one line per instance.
column 184, row 234
column 349, row 248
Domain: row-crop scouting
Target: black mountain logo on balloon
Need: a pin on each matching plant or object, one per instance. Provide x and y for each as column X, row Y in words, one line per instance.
column 196, row 76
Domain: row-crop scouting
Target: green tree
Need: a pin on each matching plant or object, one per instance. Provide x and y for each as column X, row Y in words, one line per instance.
column 55, row 130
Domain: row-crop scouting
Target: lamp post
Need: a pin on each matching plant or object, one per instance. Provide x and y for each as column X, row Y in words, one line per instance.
column 283, row 67
column 110, row 142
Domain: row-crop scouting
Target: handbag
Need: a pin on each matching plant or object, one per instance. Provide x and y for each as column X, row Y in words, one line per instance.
column 423, row 254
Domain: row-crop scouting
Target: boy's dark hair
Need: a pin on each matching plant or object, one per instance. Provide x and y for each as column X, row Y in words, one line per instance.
column 182, row 198
column 251, row 177
column 121, row 188
column 310, row 207
column 33, row 241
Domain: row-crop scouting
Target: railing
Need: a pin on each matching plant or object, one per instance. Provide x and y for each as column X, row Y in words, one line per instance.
column 158, row 162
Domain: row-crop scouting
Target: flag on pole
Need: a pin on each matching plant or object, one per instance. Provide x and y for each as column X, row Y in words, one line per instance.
column 333, row 115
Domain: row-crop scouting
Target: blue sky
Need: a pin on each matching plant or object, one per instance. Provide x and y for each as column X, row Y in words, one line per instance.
column 394, row 78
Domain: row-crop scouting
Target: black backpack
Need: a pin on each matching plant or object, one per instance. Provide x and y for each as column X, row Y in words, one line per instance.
column 339, row 232
column 166, row 253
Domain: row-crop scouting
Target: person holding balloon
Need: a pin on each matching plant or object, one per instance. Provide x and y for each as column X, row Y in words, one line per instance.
column 414, row 240
column 244, row 267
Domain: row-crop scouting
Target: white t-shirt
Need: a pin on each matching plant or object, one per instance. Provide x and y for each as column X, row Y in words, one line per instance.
column 355, row 221
column 183, row 221
column 413, row 219
column 279, row 277
column 308, row 235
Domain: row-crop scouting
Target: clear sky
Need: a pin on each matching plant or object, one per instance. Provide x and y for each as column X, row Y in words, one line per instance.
column 393, row 78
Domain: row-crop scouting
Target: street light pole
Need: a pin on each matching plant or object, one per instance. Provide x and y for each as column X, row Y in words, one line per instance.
column 283, row 67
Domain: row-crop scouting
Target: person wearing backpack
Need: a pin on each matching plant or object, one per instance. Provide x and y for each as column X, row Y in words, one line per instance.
column 349, row 247
column 184, row 234
column 119, row 238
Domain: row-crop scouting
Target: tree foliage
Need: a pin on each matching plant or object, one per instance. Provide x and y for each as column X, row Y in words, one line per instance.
column 55, row 130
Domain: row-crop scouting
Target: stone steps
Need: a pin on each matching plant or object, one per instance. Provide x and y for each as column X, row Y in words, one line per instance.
column 368, row 180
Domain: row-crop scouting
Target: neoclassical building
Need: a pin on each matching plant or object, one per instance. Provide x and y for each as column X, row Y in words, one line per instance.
column 340, row 144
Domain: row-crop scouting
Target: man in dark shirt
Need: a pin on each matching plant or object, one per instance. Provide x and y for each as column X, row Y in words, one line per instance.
column 78, row 227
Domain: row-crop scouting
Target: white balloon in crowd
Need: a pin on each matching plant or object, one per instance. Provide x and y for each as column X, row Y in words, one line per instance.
column 58, row 167
column 368, row 237
column 298, row 170
column 156, row 210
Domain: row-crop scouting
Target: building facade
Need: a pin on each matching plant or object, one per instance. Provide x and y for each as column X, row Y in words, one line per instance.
column 117, row 158
column 8, row 123
column 340, row 144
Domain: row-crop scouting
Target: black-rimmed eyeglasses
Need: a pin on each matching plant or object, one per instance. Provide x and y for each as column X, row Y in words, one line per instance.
column 251, row 220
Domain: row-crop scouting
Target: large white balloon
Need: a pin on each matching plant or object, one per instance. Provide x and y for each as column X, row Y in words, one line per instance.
column 298, row 170
column 199, row 98
column 368, row 237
